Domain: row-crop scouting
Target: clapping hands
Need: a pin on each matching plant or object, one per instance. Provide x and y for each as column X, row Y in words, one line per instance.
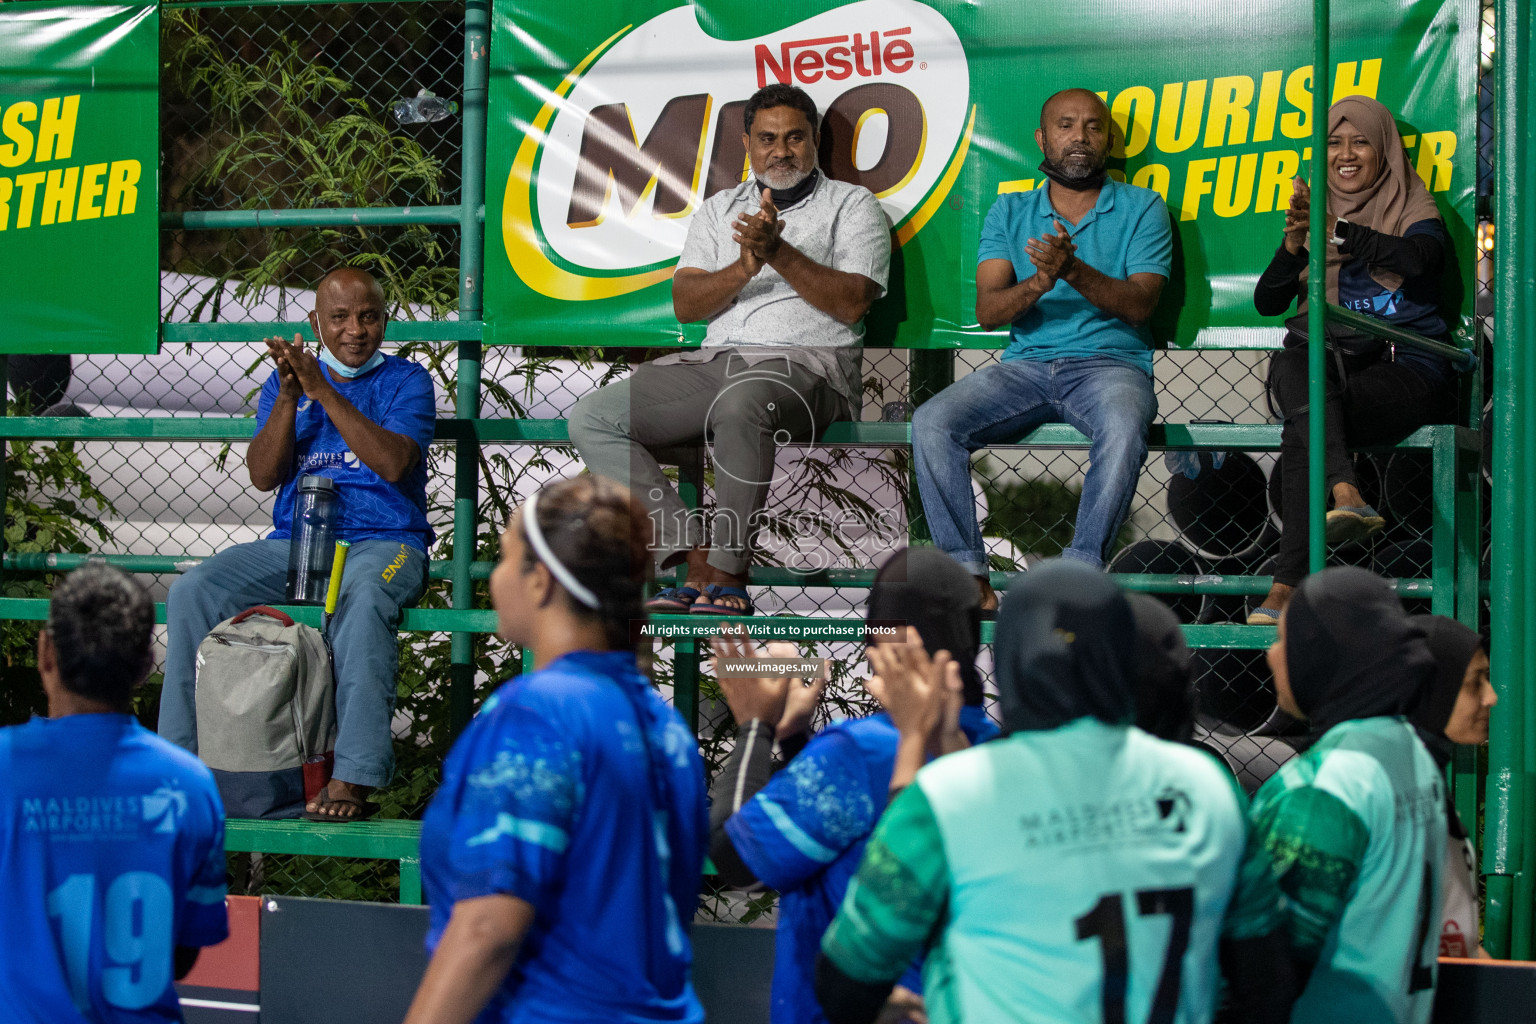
column 298, row 370
column 787, row 702
column 759, row 234
column 921, row 694
column 1298, row 217
column 1053, row 255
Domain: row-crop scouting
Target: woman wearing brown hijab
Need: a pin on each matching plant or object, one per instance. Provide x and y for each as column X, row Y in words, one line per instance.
column 1385, row 253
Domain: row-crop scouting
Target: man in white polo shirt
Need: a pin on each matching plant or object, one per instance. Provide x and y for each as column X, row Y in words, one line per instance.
column 783, row 268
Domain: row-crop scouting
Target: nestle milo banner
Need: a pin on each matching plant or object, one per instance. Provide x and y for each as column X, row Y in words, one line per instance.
column 612, row 120
column 79, row 153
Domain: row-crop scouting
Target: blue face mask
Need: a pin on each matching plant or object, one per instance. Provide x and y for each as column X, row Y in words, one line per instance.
column 341, row 369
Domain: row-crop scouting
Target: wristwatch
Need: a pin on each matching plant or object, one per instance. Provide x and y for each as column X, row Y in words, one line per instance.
column 1338, row 231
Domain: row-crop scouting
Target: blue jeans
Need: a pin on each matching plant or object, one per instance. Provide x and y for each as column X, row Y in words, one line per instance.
column 1109, row 400
column 363, row 637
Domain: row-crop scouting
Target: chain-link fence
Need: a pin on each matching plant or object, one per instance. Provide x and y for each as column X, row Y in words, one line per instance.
column 295, row 107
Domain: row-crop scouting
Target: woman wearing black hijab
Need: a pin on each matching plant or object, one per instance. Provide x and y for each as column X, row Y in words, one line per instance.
column 1454, row 709
column 1041, row 866
column 804, row 831
column 1167, row 701
column 1165, row 689
column 1353, row 828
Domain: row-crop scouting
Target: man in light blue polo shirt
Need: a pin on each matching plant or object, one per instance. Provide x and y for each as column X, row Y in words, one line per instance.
column 1076, row 268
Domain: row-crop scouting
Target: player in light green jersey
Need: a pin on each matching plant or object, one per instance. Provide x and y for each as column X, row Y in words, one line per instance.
column 1077, row 869
column 1353, row 829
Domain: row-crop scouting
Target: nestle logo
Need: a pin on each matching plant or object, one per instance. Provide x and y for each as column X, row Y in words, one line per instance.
column 807, row 60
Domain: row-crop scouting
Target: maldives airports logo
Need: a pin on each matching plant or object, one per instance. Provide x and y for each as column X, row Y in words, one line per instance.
column 649, row 124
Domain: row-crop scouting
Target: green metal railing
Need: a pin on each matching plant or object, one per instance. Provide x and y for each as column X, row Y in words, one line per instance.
column 1507, row 851
column 1317, row 291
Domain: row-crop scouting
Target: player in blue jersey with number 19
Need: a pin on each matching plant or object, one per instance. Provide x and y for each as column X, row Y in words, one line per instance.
column 112, row 869
column 1078, row 869
column 563, row 852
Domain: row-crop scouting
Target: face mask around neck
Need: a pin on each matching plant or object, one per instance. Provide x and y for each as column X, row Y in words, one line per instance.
column 783, row 197
column 1088, row 184
column 341, row 369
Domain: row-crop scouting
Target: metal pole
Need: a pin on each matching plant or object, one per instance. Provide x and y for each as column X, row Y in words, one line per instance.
column 1317, row 293
column 316, row 217
column 477, row 76
column 1522, row 336
column 1506, row 930
column 466, row 486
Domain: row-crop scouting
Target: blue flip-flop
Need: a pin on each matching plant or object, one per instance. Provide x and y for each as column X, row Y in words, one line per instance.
column 1264, row 615
column 673, row 600
column 710, row 604
column 1354, row 524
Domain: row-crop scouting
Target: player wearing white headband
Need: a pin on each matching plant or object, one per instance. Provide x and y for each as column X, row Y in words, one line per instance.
column 562, row 854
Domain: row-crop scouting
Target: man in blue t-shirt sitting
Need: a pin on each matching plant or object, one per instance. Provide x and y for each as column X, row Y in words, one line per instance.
column 1076, row 268
column 364, row 420
column 111, row 839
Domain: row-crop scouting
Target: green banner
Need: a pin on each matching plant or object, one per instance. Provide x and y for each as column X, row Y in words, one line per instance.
column 607, row 130
column 79, row 160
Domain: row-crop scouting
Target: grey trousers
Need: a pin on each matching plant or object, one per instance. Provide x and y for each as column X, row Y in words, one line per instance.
column 745, row 411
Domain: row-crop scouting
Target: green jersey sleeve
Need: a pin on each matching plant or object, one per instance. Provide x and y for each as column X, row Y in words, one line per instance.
column 1312, row 844
column 1254, row 909
column 897, row 897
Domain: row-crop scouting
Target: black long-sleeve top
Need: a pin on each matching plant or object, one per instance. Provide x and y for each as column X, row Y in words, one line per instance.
column 1417, row 256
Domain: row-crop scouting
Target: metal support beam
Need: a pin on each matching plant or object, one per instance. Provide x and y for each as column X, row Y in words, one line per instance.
column 398, row 330
column 315, row 217
column 1317, row 293
column 1462, row 359
column 1506, row 851
column 466, row 484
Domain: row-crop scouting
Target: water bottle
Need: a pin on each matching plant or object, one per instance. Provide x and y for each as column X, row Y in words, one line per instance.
column 425, row 106
column 310, row 550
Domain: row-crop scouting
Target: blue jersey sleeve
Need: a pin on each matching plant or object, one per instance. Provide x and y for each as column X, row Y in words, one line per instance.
column 808, row 815
column 1150, row 248
column 520, row 790
column 977, row 725
column 266, row 400
column 204, row 920
column 413, row 412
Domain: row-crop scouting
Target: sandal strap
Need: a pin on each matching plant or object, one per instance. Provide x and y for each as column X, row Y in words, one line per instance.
column 684, row 596
column 677, row 592
column 721, row 590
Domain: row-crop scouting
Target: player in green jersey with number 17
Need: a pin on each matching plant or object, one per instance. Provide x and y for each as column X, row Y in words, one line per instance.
column 1078, row 869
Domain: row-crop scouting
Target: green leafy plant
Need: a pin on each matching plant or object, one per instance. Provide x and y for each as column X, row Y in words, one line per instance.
column 277, row 129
